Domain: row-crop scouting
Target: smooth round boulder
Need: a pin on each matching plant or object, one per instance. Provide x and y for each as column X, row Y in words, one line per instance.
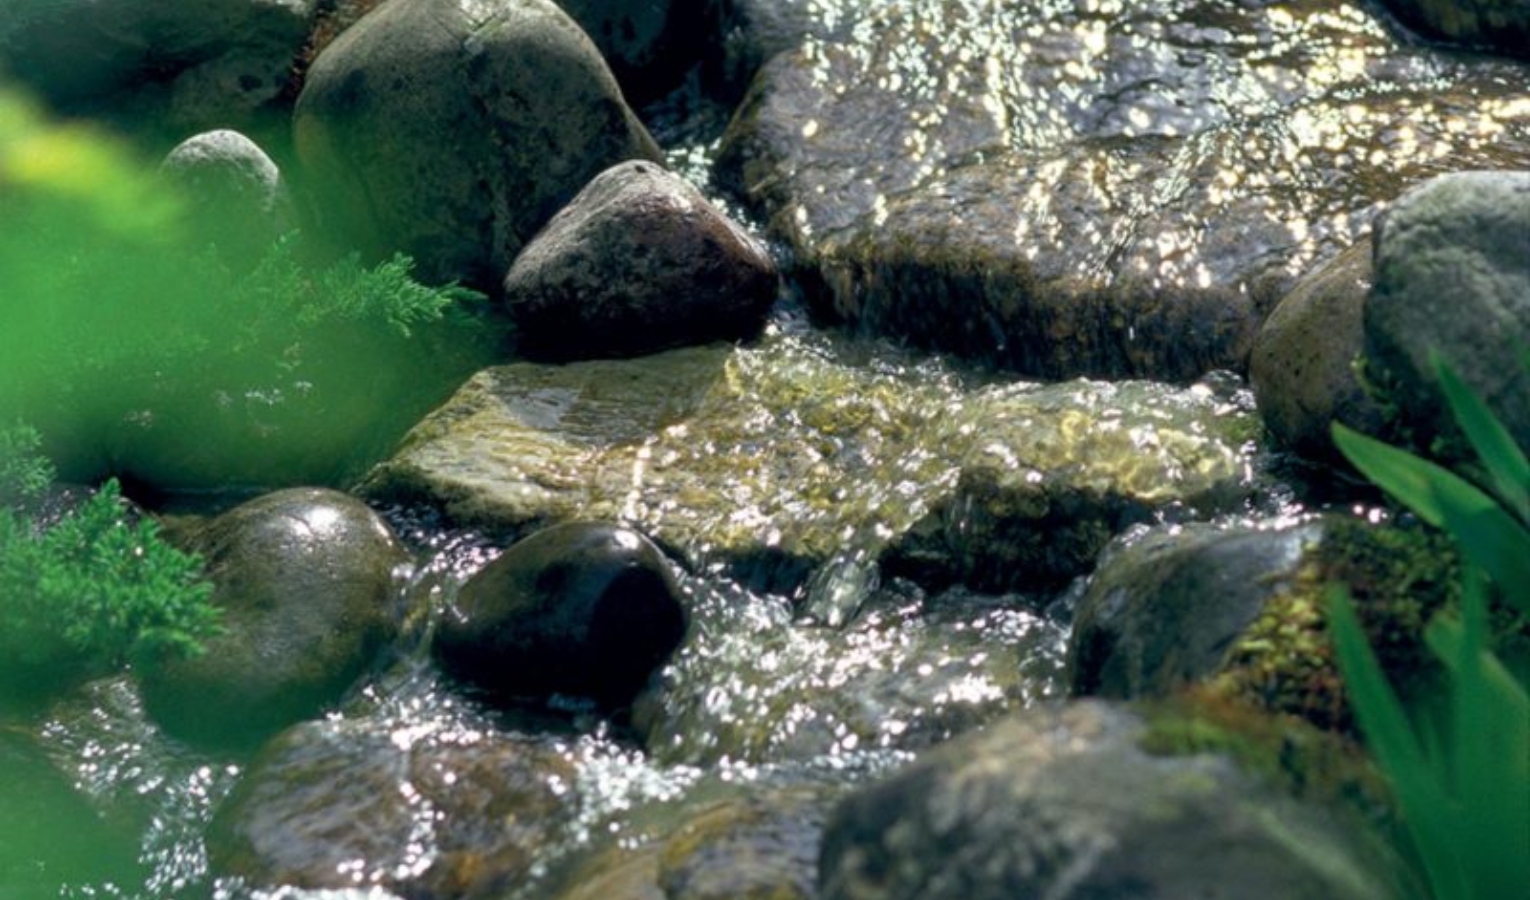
column 1453, row 279
column 1165, row 607
column 1063, row 803
column 236, row 197
column 452, row 130
column 584, row 609
column 307, row 581
column 638, row 262
column 1302, row 366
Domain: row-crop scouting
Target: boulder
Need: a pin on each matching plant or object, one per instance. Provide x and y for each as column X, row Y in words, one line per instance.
column 581, row 608
column 1303, row 363
column 1113, row 189
column 419, row 811
column 308, row 586
column 452, row 130
column 1064, row 803
column 218, row 60
column 799, row 453
column 238, row 201
column 1500, row 26
column 638, row 262
column 1453, row 278
column 1166, row 607
column 649, row 46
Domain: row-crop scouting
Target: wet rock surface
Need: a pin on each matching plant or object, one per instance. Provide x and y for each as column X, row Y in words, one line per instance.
column 1304, row 361
column 1101, row 188
column 453, row 129
column 582, row 608
column 1062, row 802
column 1165, row 608
column 307, row 584
column 775, row 460
column 637, row 262
column 1453, row 278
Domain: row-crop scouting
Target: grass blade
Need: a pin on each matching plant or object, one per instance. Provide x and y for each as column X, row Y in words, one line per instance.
column 1505, row 462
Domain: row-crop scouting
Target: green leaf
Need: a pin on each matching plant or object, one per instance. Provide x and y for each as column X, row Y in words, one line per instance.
column 1505, row 462
column 1488, row 535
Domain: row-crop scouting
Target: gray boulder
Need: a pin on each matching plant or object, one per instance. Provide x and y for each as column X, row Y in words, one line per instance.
column 452, row 130
column 307, row 584
column 221, row 59
column 1303, row 363
column 1065, row 192
column 1453, row 278
column 417, row 811
column 581, row 608
column 1063, row 803
column 238, row 201
column 638, row 262
column 1495, row 25
column 1165, row 608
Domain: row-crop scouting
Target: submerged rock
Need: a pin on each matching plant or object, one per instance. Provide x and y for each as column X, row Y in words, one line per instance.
column 426, row 812
column 775, row 460
column 1303, row 366
column 581, row 608
column 306, row 581
column 452, row 130
column 1453, row 278
column 638, row 262
column 1064, row 803
column 1108, row 188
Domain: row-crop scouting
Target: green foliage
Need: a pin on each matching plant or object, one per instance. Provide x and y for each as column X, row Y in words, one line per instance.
column 135, row 348
column 24, row 475
column 93, row 589
column 1463, row 787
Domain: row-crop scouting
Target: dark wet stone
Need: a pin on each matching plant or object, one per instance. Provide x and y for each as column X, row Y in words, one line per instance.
column 649, row 46
column 1453, row 278
column 452, row 130
column 1303, row 366
column 1110, row 188
column 426, row 812
column 582, row 608
column 638, row 262
column 238, row 201
column 1165, row 608
column 1501, row 26
column 213, row 61
column 1063, row 803
column 307, row 582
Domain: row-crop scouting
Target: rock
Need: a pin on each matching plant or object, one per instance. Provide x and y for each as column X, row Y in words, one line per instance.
column 775, row 460
column 423, row 811
column 1303, row 363
column 755, row 842
column 306, row 579
column 1453, row 278
column 1063, row 803
column 754, row 31
column 1110, row 189
column 1165, row 608
column 649, row 46
column 221, row 60
column 581, row 608
column 638, row 262
column 753, row 684
column 1501, row 26
column 452, row 130
column 238, row 201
